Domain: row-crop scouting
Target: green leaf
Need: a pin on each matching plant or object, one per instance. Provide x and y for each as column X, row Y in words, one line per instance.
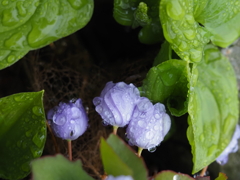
column 140, row 13
column 221, row 18
column 58, row 167
column 164, row 54
column 112, row 163
column 180, row 29
column 22, row 133
column 32, row 24
column 171, row 175
column 222, row 176
column 129, row 157
column 168, row 83
column 213, row 107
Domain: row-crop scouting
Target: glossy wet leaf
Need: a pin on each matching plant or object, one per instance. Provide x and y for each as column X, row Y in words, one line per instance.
column 221, row 18
column 129, row 157
column 58, row 167
column 171, row 175
column 140, row 13
column 31, row 24
column 22, row 133
column 213, row 107
column 112, row 163
column 221, row 176
column 168, row 83
column 185, row 35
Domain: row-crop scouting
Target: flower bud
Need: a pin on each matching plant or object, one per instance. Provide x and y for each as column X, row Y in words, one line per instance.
column 149, row 124
column 68, row 120
column 110, row 177
column 116, row 103
column 231, row 148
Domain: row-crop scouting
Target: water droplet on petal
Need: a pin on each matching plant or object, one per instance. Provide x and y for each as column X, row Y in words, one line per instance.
column 76, row 113
column 149, row 135
column 60, row 120
column 157, row 116
column 152, row 149
column 141, row 123
column 104, row 123
column 99, row 109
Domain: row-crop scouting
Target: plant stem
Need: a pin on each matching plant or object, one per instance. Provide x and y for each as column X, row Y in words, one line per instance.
column 69, row 149
column 53, row 138
column 140, row 151
column 203, row 172
column 115, row 128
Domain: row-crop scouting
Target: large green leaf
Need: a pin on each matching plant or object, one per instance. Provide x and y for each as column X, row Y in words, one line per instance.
column 32, row 24
column 140, row 13
column 181, row 30
column 213, row 107
column 112, row 163
column 168, row 83
column 171, row 175
column 221, row 18
column 128, row 157
column 22, row 133
column 58, row 167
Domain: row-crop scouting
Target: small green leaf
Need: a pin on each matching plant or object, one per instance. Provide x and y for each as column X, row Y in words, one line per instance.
column 22, row 133
column 58, row 167
column 32, row 24
column 222, row 176
column 171, row 175
column 164, row 54
column 112, row 163
column 144, row 13
column 124, row 152
column 180, row 29
column 213, row 107
column 221, row 18
column 168, row 83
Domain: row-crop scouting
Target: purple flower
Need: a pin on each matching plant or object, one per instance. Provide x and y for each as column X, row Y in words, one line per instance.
column 116, row 103
column 231, row 148
column 68, row 120
column 110, row 177
column 149, row 124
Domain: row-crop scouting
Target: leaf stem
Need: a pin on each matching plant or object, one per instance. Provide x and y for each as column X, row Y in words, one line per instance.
column 69, row 149
column 140, row 151
column 203, row 172
column 115, row 128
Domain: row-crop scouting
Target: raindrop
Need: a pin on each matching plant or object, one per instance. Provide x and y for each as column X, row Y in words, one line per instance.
column 37, row 110
column 104, row 123
column 141, row 123
column 60, row 120
column 175, row 10
column 25, row 167
column 99, row 109
column 5, row 2
column 11, row 58
column 76, row 113
column 149, row 135
column 152, row 149
column 135, row 114
column 157, row 116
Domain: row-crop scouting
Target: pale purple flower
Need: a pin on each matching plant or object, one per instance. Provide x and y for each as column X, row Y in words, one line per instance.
column 231, row 148
column 110, row 177
column 116, row 103
column 149, row 124
column 68, row 120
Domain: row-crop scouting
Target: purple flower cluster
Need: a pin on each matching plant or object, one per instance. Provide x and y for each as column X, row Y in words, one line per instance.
column 231, row 148
column 68, row 120
column 120, row 104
